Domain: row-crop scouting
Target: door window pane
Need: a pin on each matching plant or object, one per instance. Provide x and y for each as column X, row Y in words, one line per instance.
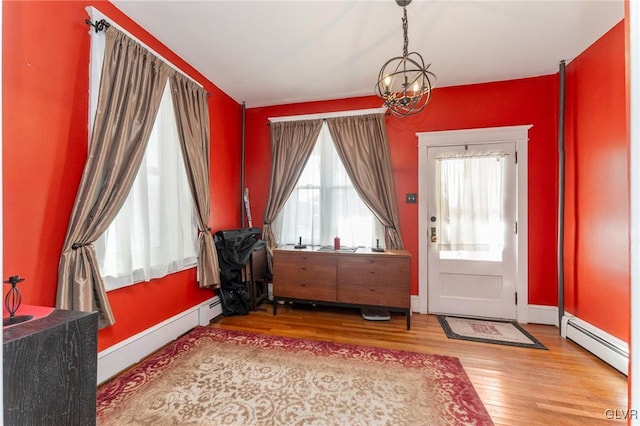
column 471, row 207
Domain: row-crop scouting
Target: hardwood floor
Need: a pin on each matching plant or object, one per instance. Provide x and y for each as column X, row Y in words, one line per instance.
column 565, row 385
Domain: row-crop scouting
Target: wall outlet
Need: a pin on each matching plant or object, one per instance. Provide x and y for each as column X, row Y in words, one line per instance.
column 412, row 198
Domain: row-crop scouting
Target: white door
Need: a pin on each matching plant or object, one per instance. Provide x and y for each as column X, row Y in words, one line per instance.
column 471, row 230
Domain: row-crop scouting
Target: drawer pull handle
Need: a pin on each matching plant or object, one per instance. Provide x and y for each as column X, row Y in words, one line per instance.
column 303, row 268
column 372, row 290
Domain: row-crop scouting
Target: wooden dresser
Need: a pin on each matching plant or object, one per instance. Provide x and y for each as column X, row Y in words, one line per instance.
column 362, row 278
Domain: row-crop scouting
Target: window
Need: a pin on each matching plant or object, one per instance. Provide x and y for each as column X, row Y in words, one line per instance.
column 324, row 204
column 154, row 233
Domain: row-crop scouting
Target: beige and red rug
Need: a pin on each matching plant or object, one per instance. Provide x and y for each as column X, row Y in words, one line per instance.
column 220, row 377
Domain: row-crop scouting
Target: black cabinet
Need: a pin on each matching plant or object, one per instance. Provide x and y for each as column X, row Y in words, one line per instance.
column 50, row 370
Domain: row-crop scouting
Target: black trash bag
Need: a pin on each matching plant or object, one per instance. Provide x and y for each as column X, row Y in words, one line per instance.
column 234, row 248
column 234, row 300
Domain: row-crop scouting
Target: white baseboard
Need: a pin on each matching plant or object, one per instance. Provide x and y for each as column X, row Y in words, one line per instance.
column 123, row 355
column 542, row 314
column 608, row 348
column 415, row 304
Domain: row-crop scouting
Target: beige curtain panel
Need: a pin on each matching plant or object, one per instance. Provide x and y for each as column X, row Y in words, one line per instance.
column 192, row 118
column 131, row 87
column 291, row 146
column 363, row 147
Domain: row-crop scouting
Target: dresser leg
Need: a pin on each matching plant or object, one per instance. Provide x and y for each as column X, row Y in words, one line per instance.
column 275, row 306
column 408, row 314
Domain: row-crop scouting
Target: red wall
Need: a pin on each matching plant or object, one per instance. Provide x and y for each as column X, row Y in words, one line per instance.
column 517, row 102
column 597, row 279
column 45, row 96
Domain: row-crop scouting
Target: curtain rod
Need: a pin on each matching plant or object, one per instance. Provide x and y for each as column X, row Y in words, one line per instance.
column 326, row 115
column 102, row 21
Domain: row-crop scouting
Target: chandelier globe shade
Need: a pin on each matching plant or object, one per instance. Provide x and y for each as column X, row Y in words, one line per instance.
column 405, row 82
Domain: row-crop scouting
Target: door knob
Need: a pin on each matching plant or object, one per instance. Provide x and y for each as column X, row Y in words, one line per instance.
column 434, row 238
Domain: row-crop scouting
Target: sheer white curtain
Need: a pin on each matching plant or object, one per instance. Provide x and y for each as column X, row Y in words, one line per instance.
column 324, row 205
column 471, row 206
column 155, row 232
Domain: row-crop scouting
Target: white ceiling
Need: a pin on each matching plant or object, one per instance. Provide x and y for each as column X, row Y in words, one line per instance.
column 276, row 52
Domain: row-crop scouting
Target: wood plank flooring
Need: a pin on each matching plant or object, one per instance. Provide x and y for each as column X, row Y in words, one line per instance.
column 565, row 385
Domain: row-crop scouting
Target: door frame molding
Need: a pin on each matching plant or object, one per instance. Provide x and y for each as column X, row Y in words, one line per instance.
column 520, row 136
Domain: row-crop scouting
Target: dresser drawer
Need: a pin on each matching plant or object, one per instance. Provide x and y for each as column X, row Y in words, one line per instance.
column 378, row 271
column 374, row 295
column 304, row 291
column 304, row 276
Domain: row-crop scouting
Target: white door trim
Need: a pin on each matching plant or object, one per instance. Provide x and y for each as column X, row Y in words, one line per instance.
column 517, row 134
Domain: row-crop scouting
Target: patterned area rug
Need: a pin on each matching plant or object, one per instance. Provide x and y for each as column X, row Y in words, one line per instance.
column 488, row 331
column 220, row 377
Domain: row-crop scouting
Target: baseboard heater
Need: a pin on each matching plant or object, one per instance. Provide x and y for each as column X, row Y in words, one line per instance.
column 209, row 310
column 608, row 348
column 125, row 354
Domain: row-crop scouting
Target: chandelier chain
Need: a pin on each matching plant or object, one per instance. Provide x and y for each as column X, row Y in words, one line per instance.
column 405, row 27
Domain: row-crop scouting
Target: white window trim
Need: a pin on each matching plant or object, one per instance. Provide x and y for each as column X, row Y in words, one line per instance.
column 326, row 115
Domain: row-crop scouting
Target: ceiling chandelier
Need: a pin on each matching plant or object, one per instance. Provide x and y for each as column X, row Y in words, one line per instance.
column 404, row 82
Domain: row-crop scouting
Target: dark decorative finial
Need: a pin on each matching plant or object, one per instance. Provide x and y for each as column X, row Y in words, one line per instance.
column 98, row 25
